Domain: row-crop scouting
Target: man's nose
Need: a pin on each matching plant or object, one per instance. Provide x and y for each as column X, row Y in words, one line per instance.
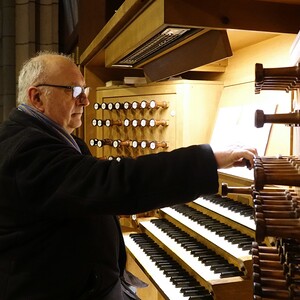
column 83, row 100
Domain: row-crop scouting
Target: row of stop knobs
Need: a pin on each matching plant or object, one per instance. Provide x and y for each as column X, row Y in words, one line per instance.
column 128, row 143
column 131, row 105
column 128, row 122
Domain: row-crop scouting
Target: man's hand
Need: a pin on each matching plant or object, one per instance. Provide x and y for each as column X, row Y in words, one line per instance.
column 236, row 157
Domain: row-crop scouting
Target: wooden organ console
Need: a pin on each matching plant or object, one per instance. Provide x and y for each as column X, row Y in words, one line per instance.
column 214, row 247
column 227, row 246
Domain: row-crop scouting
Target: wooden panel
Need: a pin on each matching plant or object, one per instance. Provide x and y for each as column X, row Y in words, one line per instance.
column 239, row 85
column 147, row 24
column 124, row 14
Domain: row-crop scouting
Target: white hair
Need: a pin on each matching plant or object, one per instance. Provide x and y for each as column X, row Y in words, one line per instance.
column 34, row 72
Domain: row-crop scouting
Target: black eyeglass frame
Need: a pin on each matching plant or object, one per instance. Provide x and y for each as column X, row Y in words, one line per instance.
column 84, row 90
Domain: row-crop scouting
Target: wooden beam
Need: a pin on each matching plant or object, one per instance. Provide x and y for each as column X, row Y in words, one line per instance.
column 235, row 14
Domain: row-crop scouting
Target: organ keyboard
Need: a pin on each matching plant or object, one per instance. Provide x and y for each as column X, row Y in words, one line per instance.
column 233, row 210
column 170, row 278
column 215, row 252
column 220, row 236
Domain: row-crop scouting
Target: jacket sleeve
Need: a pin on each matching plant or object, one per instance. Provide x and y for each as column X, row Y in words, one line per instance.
column 55, row 179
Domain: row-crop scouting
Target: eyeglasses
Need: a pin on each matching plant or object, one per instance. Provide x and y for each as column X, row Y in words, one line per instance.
column 76, row 90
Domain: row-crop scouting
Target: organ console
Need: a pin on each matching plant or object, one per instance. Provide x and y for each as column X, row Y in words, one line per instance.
column 255, row 244
column 215, row 247
column 241, row 243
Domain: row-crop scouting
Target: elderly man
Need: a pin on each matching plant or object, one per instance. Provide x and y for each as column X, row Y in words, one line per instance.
column 59, row 237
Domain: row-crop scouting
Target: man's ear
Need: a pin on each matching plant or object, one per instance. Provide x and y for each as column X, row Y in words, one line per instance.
column 35, row 100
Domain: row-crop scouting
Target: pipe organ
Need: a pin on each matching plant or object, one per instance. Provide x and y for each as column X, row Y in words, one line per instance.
column 243, row 242
column 214, row 247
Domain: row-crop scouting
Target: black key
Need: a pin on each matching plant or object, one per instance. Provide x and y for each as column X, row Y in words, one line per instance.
column 231, row 274
column 193, row 288
column 202, row 297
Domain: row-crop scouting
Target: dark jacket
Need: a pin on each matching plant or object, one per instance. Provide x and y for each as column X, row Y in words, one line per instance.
column 59, row 237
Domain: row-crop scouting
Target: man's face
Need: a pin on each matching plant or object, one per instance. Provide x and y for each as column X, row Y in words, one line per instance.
column 58, row 103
